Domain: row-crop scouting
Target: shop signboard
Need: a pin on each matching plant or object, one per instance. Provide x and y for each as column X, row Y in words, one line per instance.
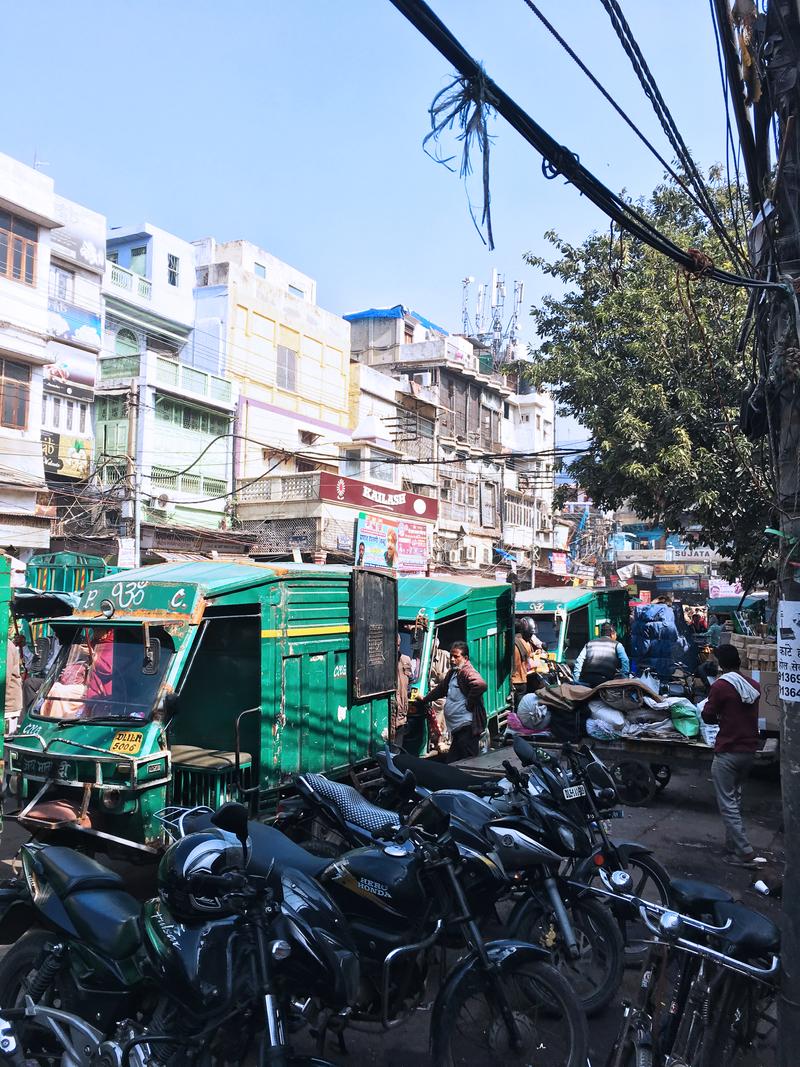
column 354, row 493
column 70, row 323
column 718, row 587
column 71, row 373
column 558, row 562
column 81, row 237
column 396, row 543
column 66, row 454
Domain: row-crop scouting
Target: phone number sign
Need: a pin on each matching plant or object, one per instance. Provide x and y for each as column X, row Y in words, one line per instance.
column 789, row 650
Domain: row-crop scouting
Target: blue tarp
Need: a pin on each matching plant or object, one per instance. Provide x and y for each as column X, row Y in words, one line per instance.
column 660, row 639
column 397, row 312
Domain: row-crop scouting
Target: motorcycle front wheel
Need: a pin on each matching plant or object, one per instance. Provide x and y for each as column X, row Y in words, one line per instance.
column 549, row 1022
column 595, row 975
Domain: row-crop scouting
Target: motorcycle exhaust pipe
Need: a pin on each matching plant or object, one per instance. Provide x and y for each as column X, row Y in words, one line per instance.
column 562, row 918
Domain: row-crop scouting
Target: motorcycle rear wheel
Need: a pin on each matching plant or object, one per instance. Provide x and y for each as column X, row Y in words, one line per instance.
column 548, row 1016
column 18, row 969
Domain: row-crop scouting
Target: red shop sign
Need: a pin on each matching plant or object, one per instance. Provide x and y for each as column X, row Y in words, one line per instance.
column 365, row 495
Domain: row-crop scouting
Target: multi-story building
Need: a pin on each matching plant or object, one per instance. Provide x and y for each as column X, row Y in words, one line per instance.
column 259, row 324
column 27, row 218
column 164, row 415
column 77, row 262
column 527, row 433
column 470, row 396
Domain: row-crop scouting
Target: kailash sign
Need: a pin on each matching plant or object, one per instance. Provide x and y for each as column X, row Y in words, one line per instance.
column 365, row 495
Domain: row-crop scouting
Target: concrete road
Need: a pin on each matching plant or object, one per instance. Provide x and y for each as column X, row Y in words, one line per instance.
column 683, row 829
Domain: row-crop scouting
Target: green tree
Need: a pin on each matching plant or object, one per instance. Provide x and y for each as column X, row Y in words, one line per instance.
column 646, row 358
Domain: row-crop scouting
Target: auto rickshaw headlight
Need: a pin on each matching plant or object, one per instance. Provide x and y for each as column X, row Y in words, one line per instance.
column 111, row 798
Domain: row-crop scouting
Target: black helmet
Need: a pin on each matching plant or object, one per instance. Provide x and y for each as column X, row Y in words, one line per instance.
column 211, row 852
column 526, row 628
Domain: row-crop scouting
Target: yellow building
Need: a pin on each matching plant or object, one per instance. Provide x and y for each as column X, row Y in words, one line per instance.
column 290, row 359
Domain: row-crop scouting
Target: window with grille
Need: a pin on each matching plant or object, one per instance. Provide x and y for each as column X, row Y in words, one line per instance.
column 110, row 407
column 126, row 343
column 18, row 244
column 15, row 388
column 173, row 269
column 190, row 418
column 62, row 284
column 380, row 466
column 287, row 369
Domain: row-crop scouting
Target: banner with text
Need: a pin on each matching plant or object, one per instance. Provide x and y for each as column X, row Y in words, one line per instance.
column 400, row 545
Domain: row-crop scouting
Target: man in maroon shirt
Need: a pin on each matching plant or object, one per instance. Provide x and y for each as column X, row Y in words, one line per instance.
column 733, row 704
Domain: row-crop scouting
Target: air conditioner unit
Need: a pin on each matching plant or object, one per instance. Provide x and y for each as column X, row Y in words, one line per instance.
column 454, row 555
column 163, row 504
column 424, row 379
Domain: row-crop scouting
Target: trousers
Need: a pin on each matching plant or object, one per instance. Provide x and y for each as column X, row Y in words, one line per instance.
column 464, row 744
column 728, row 771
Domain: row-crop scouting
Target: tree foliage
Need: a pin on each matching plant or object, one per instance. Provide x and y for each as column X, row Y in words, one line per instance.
column 646, row 358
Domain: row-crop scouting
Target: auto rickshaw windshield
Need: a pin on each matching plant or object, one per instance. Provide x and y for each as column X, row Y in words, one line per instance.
column 103, row 674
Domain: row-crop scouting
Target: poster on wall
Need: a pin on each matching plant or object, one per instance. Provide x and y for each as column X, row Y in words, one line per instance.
column 558, row 562
column 386, row 541
column 66, row 454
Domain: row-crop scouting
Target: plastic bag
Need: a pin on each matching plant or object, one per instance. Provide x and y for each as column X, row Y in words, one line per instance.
column 600, row 731
column 601, row 712
column 532, row 714
column 685, row 719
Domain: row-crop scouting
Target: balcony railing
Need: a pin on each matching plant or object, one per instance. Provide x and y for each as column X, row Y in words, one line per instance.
column 132, row 283
column 285, row 487
column 191, row 380
column 118, row 367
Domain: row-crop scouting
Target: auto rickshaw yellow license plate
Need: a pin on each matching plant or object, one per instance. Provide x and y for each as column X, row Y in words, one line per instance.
column 126, row 742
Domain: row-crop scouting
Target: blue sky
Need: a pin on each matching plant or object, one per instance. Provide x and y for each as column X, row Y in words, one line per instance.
column 299, row 126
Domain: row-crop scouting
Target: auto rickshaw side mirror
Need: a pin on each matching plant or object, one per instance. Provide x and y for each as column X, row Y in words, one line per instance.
column 152, row 653
column 168, row 705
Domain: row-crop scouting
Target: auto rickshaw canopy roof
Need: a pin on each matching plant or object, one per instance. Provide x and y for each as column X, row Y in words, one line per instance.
column 442, row 596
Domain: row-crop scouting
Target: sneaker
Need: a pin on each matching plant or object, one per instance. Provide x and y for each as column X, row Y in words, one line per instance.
column 751, row 860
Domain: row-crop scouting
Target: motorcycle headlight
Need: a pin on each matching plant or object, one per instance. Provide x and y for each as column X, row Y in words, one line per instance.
column 567, row 838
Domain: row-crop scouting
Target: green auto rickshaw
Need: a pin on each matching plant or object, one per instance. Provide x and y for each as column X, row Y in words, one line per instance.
column 196, row 683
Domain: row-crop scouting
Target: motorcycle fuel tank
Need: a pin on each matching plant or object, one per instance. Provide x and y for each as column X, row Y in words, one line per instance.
column 377, row 883
column 196, row 961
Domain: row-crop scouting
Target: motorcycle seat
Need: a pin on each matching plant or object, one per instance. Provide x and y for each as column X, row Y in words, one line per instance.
column 273, row 849
column 107, row 919
column 751, row 934
column 432, row 775
column 68, row 871
column 696, row 898
column 352, row 805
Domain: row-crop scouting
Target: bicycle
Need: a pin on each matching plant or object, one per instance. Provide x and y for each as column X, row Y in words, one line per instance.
column 699, row 1006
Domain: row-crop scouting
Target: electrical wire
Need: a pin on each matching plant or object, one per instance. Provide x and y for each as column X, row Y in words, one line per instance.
column 652, row 92
column 561, row 159
column 623, row 114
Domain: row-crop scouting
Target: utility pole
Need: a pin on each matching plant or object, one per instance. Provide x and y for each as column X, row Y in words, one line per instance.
column 133, row 525
column 781, row 52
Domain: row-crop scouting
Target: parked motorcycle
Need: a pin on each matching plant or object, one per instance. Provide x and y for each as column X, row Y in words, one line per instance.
column 403, row 896
column 223, row 962
column 546, row 908
column 585, row 787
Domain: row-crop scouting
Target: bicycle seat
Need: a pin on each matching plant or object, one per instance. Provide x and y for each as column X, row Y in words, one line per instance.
column 751, row 934
column 352, row 805
column 696, row 898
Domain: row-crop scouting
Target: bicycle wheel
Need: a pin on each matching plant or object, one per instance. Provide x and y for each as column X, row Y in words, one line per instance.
column 743, row 1031
column 548, row 1017
column 596, row 974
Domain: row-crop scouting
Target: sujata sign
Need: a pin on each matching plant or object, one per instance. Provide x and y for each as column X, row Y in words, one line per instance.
column 361, row 495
